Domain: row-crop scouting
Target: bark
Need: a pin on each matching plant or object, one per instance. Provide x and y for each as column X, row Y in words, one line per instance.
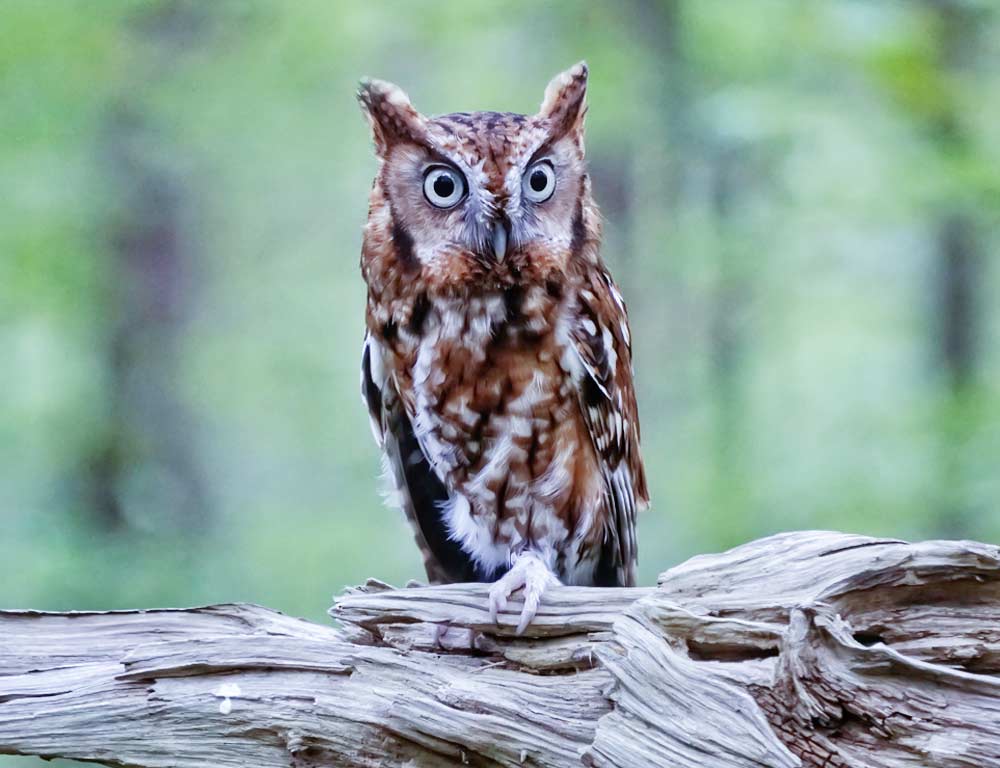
column 812, row 649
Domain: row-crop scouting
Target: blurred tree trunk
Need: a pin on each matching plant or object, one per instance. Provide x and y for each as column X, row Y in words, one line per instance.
column 727, row 338
column 959, row 272
column 668, row 311
column 696, row 168
column 660, row 24
column 148, row 452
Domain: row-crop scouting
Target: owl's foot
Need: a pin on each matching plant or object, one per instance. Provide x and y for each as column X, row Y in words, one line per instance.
column 439, row 633
column 449, row 638
column 530, row 572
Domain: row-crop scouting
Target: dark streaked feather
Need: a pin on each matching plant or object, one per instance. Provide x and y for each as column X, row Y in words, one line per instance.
column 607, row 400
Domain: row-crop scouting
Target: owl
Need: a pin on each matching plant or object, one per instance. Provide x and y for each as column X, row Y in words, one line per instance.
column 497, row 365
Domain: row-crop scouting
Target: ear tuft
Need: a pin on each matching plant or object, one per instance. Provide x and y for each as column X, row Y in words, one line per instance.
column 565, row 100
column 390, row 114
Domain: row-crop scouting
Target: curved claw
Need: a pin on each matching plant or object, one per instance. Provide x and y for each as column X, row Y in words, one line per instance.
column 531, row 600
column 498, row 601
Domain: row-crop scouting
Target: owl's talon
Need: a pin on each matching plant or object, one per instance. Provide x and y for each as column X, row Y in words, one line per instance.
column 498, row 602
column 532, row 575
column 531, row 600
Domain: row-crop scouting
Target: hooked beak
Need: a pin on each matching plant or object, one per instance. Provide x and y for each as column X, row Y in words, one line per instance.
column 499, row 240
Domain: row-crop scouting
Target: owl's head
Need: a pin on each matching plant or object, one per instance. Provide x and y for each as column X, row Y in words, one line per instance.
column 469, row 196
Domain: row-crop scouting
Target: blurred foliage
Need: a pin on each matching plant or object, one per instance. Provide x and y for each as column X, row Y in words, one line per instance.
column 803, row 209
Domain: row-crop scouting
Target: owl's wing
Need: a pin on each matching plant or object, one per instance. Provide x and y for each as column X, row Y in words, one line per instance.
column 418, row 491
column 602, row 345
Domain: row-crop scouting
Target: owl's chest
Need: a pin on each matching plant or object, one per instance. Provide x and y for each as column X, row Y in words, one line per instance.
column 483, row 382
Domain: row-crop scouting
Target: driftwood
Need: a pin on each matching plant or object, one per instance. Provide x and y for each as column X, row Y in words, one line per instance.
column 812, row 649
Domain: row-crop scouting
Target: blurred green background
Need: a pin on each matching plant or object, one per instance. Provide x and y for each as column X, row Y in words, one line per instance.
column 803, row 211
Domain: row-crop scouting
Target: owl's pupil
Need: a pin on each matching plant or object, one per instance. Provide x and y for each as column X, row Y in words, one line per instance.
column 444, row 186
column 538, row 181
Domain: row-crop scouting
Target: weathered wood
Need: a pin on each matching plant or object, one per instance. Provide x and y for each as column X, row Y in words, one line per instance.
column 811, row 649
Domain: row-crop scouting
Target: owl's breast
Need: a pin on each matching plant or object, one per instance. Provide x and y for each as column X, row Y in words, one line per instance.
column 483, row 383
column 497, row 417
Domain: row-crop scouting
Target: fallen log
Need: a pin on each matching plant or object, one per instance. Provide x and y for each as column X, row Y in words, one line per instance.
column 802, row 649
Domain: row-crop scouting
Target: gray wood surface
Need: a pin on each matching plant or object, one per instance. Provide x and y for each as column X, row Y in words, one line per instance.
column 811, row 649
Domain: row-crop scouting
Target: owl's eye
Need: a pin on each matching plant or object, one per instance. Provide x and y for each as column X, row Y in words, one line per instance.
column 443, row 186
column 540, row 182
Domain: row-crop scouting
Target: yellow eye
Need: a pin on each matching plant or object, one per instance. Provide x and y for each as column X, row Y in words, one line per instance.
column 539, row 182
column 443, row 186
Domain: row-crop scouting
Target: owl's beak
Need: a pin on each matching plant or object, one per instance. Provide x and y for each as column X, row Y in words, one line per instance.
column 499, row 240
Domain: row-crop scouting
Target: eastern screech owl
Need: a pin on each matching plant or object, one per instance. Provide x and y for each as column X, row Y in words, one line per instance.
column 497, row 361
